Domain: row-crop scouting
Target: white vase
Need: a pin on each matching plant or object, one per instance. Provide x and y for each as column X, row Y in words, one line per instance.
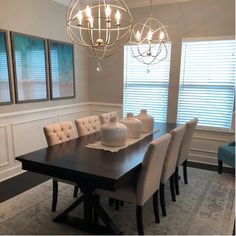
column 113, row 133
column 147, row 121
column 133, row 126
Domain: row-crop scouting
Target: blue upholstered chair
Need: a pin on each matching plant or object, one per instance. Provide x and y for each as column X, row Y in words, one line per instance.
column 226, row 154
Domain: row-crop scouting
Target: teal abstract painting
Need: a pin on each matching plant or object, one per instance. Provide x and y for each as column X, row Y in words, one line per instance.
column 29, row 57
column 61, row 70
column 5, row 91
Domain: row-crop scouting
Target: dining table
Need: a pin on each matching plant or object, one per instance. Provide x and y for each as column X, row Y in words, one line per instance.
column 91, row 168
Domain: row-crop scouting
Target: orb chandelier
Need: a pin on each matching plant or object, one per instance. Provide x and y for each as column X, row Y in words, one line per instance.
column 99, row 28
column 148, row 41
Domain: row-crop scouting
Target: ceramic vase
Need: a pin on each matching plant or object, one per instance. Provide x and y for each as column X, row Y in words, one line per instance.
column 113, row 133
column 133, row 126
column 147, row 121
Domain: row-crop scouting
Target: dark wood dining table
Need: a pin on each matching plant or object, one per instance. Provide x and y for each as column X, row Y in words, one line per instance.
column 90, row 169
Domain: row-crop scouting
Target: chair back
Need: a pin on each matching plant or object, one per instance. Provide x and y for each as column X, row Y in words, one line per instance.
column 87, row 125
column 172, row 153
column 104, row 118
column 150, row 174
column 186, row 142
column 59, row 133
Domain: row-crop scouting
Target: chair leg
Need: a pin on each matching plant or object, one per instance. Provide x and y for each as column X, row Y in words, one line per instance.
column 162, row 199
column 96, row 217
column 220, row 166
column 122, row 203
column 172, row 188
column 117, row 205
column 111, row 202
column 177, row 180
column 139, row 218
column 155, row 206
column 54, row 194
column 76, row 190
column 185, row 171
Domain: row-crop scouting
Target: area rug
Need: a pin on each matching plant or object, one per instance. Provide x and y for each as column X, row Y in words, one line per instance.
column 204, row 206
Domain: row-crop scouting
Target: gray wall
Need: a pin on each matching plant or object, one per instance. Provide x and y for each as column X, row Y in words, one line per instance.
column 196, row 18
column 47, row 19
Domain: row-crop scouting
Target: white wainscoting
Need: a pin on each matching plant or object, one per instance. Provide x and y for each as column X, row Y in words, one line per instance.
column 22, row 132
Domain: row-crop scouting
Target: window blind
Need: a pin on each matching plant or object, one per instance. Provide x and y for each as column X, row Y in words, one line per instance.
column 144, row 90
column 207, row 82
column 4, row 79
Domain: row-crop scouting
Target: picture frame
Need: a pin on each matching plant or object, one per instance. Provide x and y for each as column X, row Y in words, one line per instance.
column 29, row 56
column 61, row 70
column 5, row 75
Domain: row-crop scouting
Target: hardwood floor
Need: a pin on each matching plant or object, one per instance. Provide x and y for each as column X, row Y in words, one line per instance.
column 20, row 183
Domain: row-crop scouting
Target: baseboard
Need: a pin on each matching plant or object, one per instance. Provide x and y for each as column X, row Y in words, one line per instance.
column 210, row 167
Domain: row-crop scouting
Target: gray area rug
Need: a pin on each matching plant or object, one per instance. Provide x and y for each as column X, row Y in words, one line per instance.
column 204, row 206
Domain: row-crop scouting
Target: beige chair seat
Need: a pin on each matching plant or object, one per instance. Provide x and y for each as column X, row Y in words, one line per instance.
column 87, row 125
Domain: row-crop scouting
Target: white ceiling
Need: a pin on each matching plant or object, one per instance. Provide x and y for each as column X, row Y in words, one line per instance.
column 134, row 3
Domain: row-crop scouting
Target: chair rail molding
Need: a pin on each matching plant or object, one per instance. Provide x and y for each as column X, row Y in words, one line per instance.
column 22, row 132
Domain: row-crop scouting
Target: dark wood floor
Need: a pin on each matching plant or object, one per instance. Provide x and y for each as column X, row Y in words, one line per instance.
column 20, row 183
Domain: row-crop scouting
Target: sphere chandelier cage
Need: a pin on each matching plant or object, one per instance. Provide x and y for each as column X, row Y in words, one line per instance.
column 99, row 28
column 148, row 41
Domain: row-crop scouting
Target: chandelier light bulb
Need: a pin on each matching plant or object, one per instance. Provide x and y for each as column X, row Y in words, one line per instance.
column 118, row 17
column 162, row 35
column 138, row 36
column 108, row 11
column 88, row 11
column 79, row 16
column 149, row 37
column 90, row 22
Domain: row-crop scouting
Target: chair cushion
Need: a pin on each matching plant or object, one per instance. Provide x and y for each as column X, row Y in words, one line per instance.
column 88, row 125
column 226, row 153
column 59, row 133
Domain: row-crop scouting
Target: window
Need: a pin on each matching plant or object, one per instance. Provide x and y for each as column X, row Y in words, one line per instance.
column 144, row 90
column 207, row 82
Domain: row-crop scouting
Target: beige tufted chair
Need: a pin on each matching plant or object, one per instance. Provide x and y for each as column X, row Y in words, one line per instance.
column 140, row 190
column 184, row 150
column 87, row 125
column 168, row 172
column 104, row 118
column 56, row 134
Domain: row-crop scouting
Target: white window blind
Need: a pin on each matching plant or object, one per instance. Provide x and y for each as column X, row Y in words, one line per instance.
column 144, row 90
column 4, row 79
column 207, row 82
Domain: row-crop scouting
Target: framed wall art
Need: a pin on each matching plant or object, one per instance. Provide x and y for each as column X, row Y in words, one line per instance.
column 5, row 84
column 61, row 61
column 30, row 68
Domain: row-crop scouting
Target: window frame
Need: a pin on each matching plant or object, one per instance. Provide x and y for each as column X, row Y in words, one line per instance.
column 201, row 127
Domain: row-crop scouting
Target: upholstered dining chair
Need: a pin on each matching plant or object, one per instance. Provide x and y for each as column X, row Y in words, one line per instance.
column 55, row 134
column 168, row 171
column 88, row 125
column 183, row 152
column 105, row 117
column 141, row 189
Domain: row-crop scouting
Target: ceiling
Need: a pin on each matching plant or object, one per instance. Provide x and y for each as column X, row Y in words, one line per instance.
column 134, row 3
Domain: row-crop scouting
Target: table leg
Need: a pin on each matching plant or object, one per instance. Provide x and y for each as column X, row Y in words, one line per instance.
column 89, row 224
